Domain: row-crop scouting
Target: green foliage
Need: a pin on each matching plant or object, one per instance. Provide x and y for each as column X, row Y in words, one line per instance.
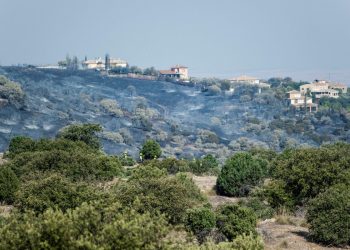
column 276, row 196
column 52, row 191
column 8, row 184
column 151, row 150
column 85, row 133
column 234, row 220
column 75, row 160
column 90, row 226
column 171, row 165
column 200, row 221
column 126, row 160
column 20, row 144
column 207, row 165
column 262, row 210
column 240, row 173
column 329, row 216
column 307, row 172
column 12, row 92
column 156, row 192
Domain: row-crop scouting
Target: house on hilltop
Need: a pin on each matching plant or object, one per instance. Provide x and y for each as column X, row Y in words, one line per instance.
column 177, row 72
column 249, row 80
column 323, row 88
column 299, row 101
column 100, row 64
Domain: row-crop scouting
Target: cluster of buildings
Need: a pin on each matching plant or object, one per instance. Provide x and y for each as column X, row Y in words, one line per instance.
column 314, row 91
column 104, row 64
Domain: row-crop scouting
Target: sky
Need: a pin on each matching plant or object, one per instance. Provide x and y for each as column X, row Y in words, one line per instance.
column 304, row 39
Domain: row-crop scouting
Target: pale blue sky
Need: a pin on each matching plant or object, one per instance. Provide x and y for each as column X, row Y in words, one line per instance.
column 301, row 38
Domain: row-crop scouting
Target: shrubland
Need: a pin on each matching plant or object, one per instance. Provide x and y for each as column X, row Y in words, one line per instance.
column 67, row 192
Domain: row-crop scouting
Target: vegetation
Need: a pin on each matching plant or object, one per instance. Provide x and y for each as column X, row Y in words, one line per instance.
column 150, row 150
column 12, row 92
column 8, row 184
column 66, row 192
column 329, row 215
column 240, row 173
column 233, row 220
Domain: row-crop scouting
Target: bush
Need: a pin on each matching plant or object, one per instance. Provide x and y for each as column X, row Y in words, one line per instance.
column 155, row 192
column 200, row 221
column 233, row 220
column 308, row 172
column 276, row 196
column 151, row 150
column 90, row 226
column 84, row 132
column 262, row 211
column 208, row 164
column 11, row 91
column 171, row 165
column 239, row 174
column 126, row 160
column 329, row 215
column 52, row 191
column 8, row 184
column 20, row 144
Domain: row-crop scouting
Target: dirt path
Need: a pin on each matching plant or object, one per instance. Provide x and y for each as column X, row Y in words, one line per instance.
column 207, row 185
column 277, row 236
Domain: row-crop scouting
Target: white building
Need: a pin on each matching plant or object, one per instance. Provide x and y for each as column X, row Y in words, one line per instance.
column 249, row 80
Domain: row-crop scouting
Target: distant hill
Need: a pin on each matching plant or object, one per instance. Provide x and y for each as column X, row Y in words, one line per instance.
column 184, row 120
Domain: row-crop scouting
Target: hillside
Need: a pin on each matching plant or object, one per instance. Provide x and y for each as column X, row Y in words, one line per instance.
column 184, row 120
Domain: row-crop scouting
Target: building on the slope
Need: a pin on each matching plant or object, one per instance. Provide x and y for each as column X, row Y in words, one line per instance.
column 177, row 72
column 323, row 88
column 100, row 64
column 300, row 101
column 249, row 80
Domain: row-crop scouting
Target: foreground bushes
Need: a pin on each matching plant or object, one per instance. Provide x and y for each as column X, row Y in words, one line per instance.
column 8, row 184
column 90, row 226
column 239, row 174
column 329, row 216
column 151, row 189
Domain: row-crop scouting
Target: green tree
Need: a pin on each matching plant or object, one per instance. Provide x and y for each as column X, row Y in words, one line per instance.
column 329, row 216
column 8, row 184
column 52, row 191
column 151, row 150
column 239, row 174
column 85, row 132
column 233, row 220
column 200, row 221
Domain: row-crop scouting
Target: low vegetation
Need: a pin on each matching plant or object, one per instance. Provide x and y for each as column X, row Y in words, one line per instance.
column 67, row 192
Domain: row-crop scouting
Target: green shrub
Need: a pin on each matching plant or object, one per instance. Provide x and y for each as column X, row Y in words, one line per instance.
column 84, row 132
column 207, row 165
column 126, row 160
column 234, row 220
column 156, row 192
column 200, row 221
column 276, row 195
column 76, row 164
column 151, row 150
column 8, row 184
column 239, row 174
column 171, row 165
column 248, row 242
column 308, row 172
column 52, row 191
column 90, row 226
column 329, row 216
column 20, row 144
column 262, row 211
column 11, row 91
